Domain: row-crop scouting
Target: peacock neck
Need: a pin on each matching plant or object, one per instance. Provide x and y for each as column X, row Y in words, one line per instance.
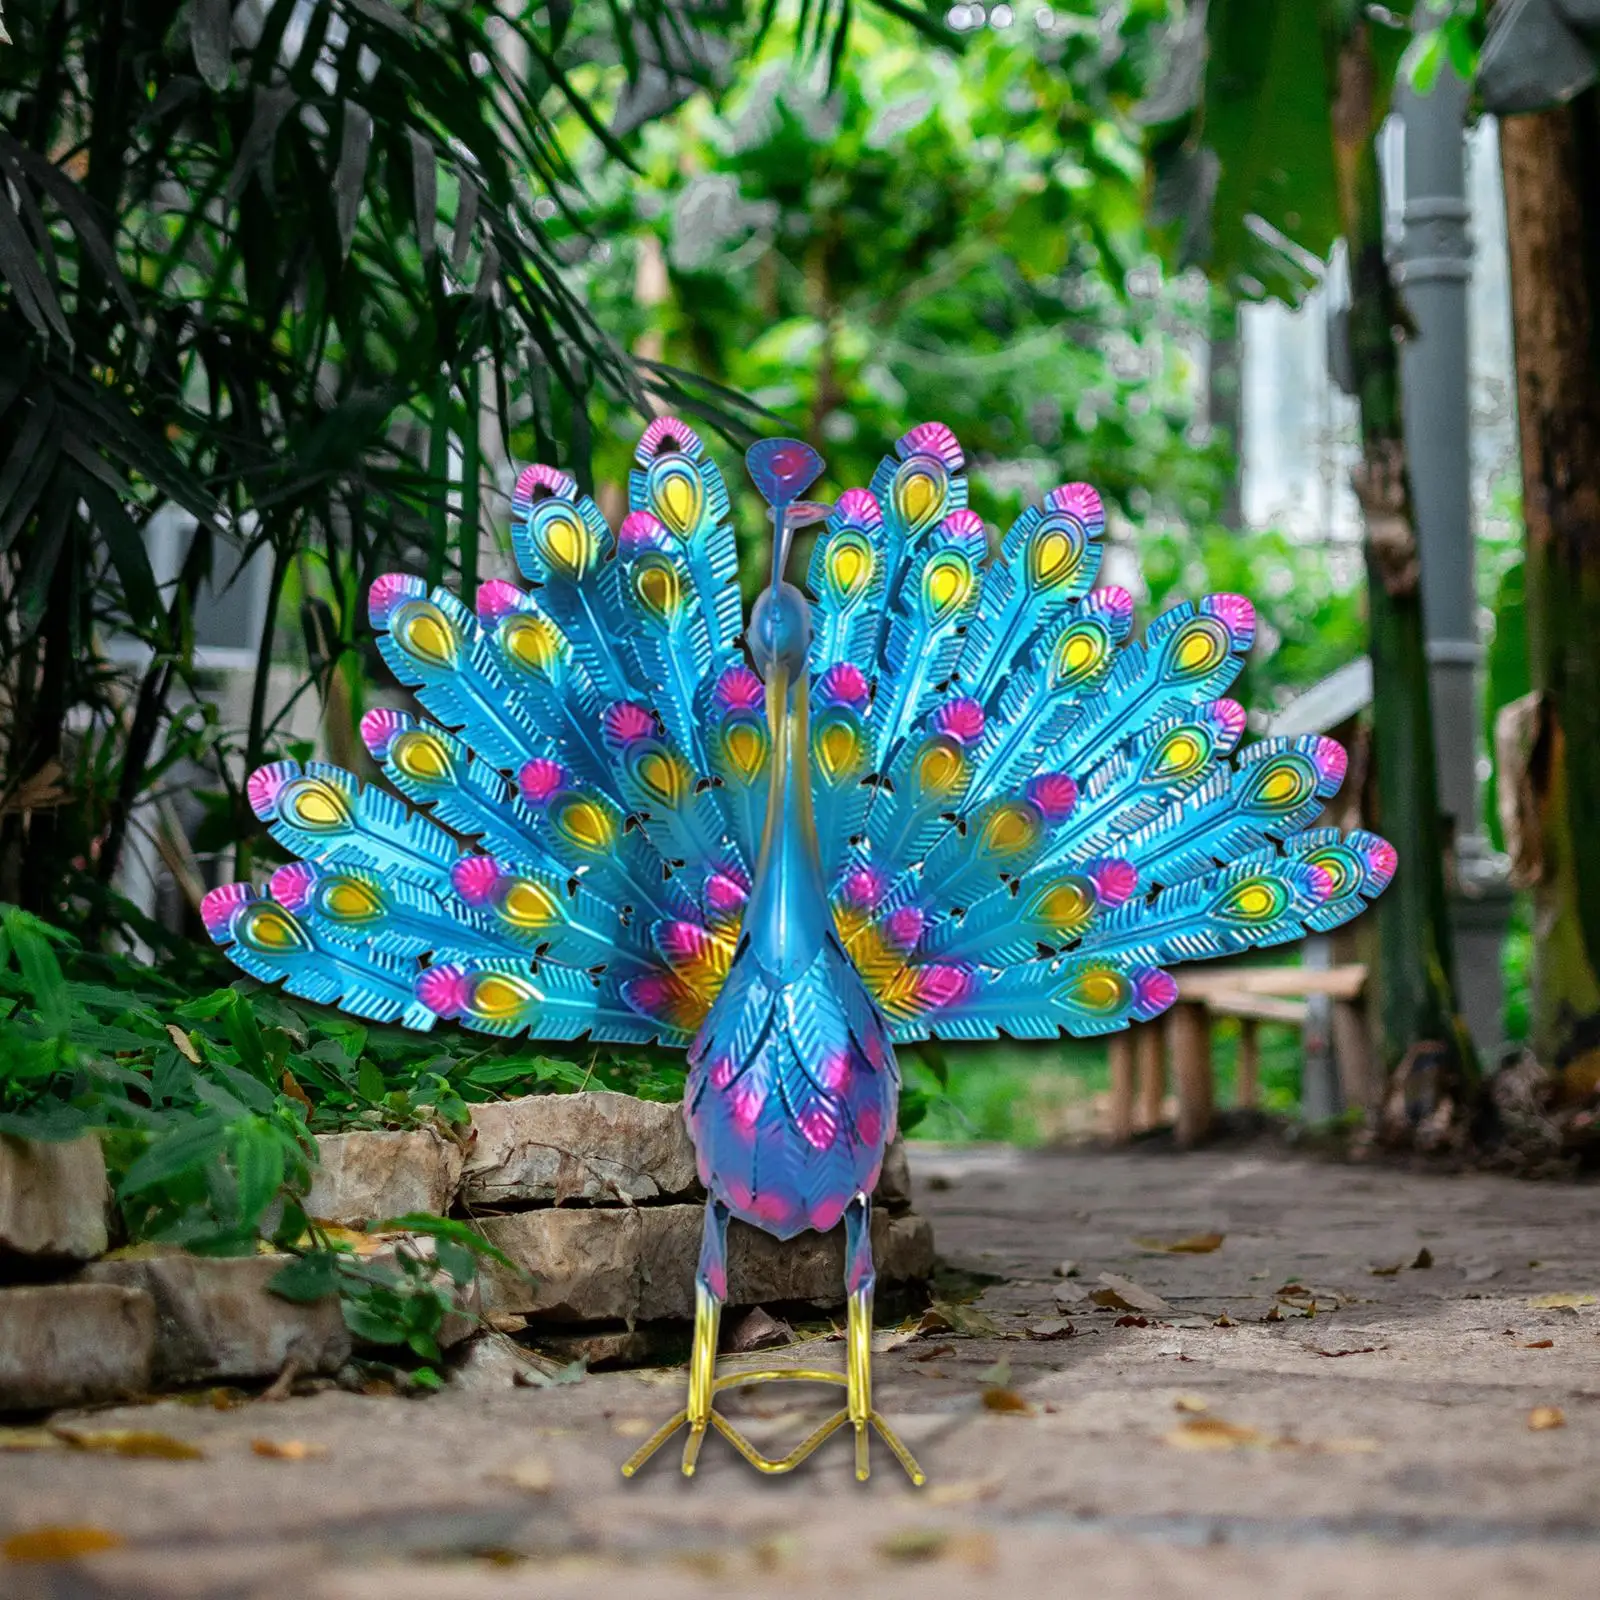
column 788, row 916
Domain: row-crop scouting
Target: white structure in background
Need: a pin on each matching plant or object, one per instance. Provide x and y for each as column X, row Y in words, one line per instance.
column 1299, row 430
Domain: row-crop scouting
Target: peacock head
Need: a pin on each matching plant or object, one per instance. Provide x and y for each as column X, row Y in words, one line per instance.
column 780, row 623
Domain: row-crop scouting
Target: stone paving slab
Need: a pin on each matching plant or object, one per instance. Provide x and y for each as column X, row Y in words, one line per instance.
column 1176, row 1458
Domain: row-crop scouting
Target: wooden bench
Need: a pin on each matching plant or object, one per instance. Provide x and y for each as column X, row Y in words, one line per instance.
column 1140, row 1055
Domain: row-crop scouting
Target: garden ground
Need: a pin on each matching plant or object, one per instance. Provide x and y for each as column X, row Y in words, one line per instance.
column 1432, row 1429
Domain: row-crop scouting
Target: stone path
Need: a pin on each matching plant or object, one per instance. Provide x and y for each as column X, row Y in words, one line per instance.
column 1379, row 1447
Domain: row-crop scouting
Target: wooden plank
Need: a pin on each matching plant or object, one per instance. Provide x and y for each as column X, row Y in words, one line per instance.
column 1342, row 982
column 1150, row 1057
column 1259, row 1007
column 1190, row 1040
column 1352, row 1052
column 1120, row 1052
column 1247, row 1077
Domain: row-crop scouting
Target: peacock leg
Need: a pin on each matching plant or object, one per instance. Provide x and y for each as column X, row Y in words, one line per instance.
column 710, row 1289
column 860, row 1278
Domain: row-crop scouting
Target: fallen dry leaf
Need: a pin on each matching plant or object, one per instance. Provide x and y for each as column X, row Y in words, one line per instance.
column 914, row 1544
column 288, row 1449
column 30, row 1439
column 963, row 1491
column 134, row 1442
column 534, row 1474
column 1424, row 1259
column 1545, row 1417
column 505, row 1321
column 1386, row 1272
column 1050, row 1328
column 933, row 1352
column 1333, row 1355
column 1540, row 1344
column 1557, row 1302
column 632, row 1427
column 996, row 1398
column 1123, row 1294
column 1191, row 1402
column 63, row 1543
column 1197, row 1244
column 184, row 1043
column 1066, row 1269
column 1212, row 1433
column 1131, row 1321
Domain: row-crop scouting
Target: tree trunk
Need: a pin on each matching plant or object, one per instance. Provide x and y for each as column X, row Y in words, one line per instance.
column 1551, row 165
column 1421, row 1035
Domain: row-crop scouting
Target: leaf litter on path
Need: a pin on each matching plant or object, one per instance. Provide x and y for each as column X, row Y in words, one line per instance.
column 287, row 1449
column 1563, row 1301
column 136, row 1443
column 1543, row 1418
column 59, row 1543
column 1214, row 1433
column 1196, row 1244
column 1123, row 1294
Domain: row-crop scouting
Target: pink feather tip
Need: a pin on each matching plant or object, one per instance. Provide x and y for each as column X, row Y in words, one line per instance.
column 1114, row 880
column 932, row 439
column 857, row 508
column 1235, row 613
column 664, row 436
column 862, row 888
column 291, row 885
column 1115, row 605
column 941, row 984
column 539, row 779
column 266, row 783
column 1331, row 763
column 1227, row 716
column 960, row 719
column 380, row 727
column 724, row 893
column 905, row 926
column 641, row 531
column 475, row 879
column 1383, row 861
column 626, row 722
column 844, row 684
column 739, row 689
column 497, row 599
column 389, row 592
column 1082, row 502
column 219, row 905
column 1055, row 794
column 537, row 483
column 446, row 990
column 1154, row 991
column 966, row 526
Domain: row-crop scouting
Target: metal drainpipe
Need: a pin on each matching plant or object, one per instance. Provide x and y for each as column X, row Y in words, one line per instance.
column 1432, row 272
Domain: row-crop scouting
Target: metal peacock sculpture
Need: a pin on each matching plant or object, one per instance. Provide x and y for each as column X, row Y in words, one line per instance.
column 950, row 800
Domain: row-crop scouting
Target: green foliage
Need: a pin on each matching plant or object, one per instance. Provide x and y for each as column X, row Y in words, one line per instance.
column 205, row 1107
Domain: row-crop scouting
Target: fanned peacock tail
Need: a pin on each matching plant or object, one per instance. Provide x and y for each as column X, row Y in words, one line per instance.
column 1025, row 818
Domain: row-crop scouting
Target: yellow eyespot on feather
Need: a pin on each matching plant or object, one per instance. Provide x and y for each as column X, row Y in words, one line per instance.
column 946, row 584
column 528, row 904
column 352, row 900
column 1065, row 906
column 564, row 540
column 745, row 745
column 270, row 927
column 1054, row 556
column 422, row 755
column 921, row 488
column 1253, row 900
column 662, row 777
column 1098, row 989
column 425, row 633
column 531, row 640
column 584, row 823
column 315, row 805
column 1179, row 755
column 1341, row 866
column 676, row 494
column 1284, row 782
column 499, row 995
column 849, row 563
column 837, row 747
column 1009, row 829
column 1078, row 654
column 940, row 767
column 659, row 591
column 1199, row 645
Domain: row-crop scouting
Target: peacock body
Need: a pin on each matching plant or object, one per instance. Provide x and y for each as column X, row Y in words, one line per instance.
column 955, row 800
